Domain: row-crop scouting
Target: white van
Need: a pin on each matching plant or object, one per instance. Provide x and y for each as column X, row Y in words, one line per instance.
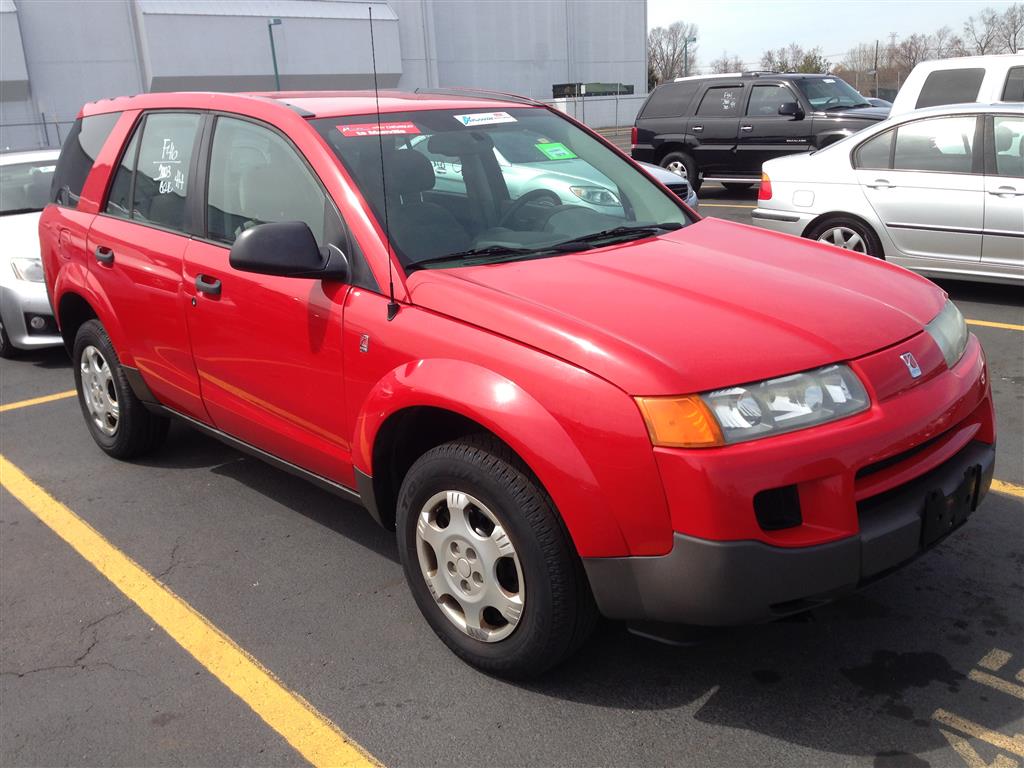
column 969, row 79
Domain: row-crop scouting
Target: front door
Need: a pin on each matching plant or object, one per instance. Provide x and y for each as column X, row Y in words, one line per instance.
column 714, row 128
column 931, row 196
column 1002, row 246
column 268, row 349
column 764, row 133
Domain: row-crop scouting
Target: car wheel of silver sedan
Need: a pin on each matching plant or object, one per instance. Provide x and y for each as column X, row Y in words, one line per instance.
column 844, row 237
column 489, row 562
column 848, row 233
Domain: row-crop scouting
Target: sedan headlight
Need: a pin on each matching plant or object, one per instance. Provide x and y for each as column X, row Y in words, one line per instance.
column 596, row 195
column 28, row 269
column 949, row 329
column 738, row 414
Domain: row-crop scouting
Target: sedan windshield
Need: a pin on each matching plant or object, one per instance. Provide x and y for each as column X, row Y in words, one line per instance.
column 828, row 93
column 474, row 186
column 25, row 187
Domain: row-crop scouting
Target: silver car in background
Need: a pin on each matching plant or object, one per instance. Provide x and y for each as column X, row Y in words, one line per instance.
column 939, row 191
column 26, row 319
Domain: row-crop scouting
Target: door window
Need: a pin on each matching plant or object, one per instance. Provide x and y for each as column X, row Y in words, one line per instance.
column 874, row 153
column 765, row 100
column 161, row 178
column 256, row 177
column 950, row 86
column 119, row 199
column 721, row 102
column 1014, row 88
column 944, row 145
column 1009, row 146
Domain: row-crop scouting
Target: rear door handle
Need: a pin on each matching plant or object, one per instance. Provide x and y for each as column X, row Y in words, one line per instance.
column 104, row 255
column 208, row 285
column 746, row 127
column 1005, row 192
column 698, row 128
column 881, row 184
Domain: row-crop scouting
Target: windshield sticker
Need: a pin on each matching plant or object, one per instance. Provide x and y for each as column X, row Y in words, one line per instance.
column 45, row 169
column 403, row 128
column 828, row 80
column 485, row 118
column 555, row 151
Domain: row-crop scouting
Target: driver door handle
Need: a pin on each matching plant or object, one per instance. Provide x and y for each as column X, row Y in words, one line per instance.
column 698, row 128
column 208, row 285
column 1005, row 192
column 881, row 184
column 746, row 127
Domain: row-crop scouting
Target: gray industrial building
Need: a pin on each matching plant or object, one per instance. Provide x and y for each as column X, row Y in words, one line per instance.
column 57, row 54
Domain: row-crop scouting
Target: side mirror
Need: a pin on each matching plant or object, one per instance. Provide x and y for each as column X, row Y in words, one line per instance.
column 287, row 249
column 791, row 109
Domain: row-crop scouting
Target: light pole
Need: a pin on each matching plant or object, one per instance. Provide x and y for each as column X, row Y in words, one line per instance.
column 686, row 53
column 271, row 23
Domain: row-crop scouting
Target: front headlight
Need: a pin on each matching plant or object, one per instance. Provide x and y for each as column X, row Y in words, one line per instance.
column 738, row 414
column 28, row 269
column 595, row 195
column 949, row 329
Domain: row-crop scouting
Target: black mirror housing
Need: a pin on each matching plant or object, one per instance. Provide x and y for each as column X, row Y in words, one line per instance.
column 287, row 249
column 791, row 109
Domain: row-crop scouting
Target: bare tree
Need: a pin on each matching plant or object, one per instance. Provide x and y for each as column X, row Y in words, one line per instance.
column 726, row 63
column 794, row 58
column 1011, row 29
column 668, row 53
column 911, row 51
column 981, row 35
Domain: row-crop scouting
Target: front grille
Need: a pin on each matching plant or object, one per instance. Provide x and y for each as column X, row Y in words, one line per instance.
column 682, row 191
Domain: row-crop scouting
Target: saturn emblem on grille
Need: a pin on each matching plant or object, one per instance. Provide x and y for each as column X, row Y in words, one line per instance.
column 911, row 363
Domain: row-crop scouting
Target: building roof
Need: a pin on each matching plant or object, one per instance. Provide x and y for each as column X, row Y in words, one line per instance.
column 295, row 9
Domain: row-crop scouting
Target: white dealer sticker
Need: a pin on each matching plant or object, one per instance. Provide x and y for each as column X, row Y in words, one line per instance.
column 485, row 118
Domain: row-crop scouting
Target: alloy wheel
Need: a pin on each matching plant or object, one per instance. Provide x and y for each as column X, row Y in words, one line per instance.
column 98, row 390
column 843, row 237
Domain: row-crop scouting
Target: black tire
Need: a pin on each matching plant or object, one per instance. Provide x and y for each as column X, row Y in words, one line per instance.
column 692, row 171
column 873, row 246
column 737, row 186
column 137, row 431
column 7, row 350
column 558, row 610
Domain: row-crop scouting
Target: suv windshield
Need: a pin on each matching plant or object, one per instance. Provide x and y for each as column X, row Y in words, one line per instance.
column 474, row 186
column 828, row 93
column 25, row 187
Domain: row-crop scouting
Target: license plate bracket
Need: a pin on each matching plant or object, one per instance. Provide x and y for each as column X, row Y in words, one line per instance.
column 942, row 514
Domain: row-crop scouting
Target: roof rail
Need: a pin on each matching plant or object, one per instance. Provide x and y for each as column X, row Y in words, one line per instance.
column 480, row 93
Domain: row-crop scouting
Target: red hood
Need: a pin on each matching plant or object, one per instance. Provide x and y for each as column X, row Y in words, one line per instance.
column 707, row 306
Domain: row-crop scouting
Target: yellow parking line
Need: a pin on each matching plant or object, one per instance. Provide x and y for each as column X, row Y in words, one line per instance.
column 37, row 400
column 724, row 205
column 312, row 735
column 990, row 324
column 1001, row 486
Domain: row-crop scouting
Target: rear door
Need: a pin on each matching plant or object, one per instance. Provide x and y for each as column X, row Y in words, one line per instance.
column 1003, row 242
column 764, row 133
column 135, row 250
column 930, row 197
column 715, row 127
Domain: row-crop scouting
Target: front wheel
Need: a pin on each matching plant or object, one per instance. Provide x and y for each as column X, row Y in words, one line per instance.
column 488, row 562
column 849, row 234
column 117, row 419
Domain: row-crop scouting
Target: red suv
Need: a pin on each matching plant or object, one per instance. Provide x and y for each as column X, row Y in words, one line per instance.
column 566, row 392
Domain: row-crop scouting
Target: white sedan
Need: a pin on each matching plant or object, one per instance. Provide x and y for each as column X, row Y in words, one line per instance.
column 939, row 191
column 26, row 320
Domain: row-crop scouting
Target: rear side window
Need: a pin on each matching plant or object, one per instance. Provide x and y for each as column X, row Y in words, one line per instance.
column 874, row 153
column 1009, row 145
column 1014, row 88
column 942, row 145
column 950, row 86
column 83, row 144
column 670, row 100
column 721, row 102
column 119, row 201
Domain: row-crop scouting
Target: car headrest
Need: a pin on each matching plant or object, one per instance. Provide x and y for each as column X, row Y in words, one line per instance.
column 409, row 173
column 1004, row 138
column 459, row 143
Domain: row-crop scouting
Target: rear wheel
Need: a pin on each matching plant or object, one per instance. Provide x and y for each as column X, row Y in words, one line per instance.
column 737, row 186
column 488, row 562
column 683, row 165
column 847, row 233
column 117, row 419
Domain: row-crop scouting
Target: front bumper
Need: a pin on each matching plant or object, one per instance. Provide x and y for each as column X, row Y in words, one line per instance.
column 24, row 298
column 786, row 222
column 720, row 583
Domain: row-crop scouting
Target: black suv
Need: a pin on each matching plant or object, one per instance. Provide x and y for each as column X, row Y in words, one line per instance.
column 722, row 127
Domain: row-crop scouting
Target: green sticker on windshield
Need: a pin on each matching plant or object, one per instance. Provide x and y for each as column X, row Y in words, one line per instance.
column 556, row 151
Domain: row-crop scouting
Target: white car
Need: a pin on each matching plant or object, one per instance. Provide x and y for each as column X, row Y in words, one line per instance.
column 26, row 319
column 967, row 79
column 939, row 191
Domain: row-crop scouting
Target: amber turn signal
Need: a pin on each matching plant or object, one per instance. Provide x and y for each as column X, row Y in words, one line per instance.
column 680, row 422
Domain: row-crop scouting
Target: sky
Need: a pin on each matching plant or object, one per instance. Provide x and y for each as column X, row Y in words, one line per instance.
column 748, row 27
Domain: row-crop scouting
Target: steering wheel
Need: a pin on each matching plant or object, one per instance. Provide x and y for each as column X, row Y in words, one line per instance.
column 830, row 100
column 543, row 197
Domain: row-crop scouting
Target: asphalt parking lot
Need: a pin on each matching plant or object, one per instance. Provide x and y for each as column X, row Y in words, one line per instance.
column 925, row 668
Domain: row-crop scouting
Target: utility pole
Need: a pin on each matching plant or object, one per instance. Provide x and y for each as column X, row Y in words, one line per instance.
column 686, row 53
column 876, row 69
column 271, row 23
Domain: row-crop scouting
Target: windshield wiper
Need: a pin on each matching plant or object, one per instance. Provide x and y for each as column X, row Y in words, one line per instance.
column 640, row 230
column 467, row 257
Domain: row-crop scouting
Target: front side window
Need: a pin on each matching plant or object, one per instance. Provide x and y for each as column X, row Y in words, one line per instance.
column 162, row 169
column 950, row 86
column 765, row 100
column 25, row 187
column 827, row 94
column 943, row 145
column 82, row 146
column 721, row 102
column 256, row 177
column 464, row 185
column 874, row 153
column 1009, row 146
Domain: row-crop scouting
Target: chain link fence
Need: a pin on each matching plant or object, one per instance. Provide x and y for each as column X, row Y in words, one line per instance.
column 42, row 134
